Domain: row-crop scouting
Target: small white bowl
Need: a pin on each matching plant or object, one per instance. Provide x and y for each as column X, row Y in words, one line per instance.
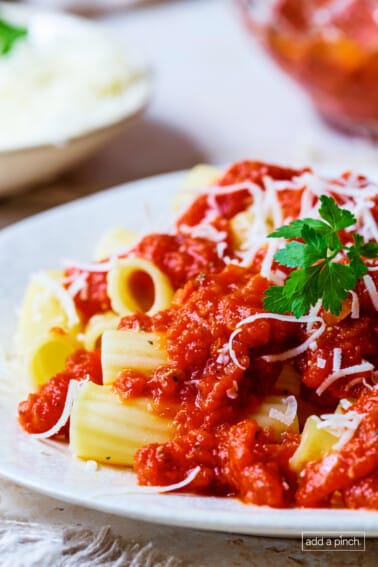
column 32, row 161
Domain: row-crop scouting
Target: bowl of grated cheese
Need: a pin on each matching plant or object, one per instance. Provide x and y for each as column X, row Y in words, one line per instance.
column 66, row 89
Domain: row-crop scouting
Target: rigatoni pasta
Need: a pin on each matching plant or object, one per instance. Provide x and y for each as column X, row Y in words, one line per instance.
column 96, row 327
column 47, row 355
column 135, row 284
column 105, row 429
column 133, row 350
column 115, row 242
column 183, row 372
column 44, row 307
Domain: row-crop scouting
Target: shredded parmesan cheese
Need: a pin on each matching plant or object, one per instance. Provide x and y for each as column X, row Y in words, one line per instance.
column 337, row 355
column 97, row 267
column 356, row 193
column 342, row 425
column 78, row 284
column 157, row 489
column 204, row 230
column 369, row 386
column 291, row 353
column 91, row 466
column 345, row 404
column 72, row 392
column 55, row 289
column 355, row 313
column 363, row 367
column 290, row 413
column 372, row 291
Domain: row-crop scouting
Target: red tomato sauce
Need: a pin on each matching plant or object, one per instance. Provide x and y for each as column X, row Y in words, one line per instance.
column 41, row 410
column 348, row 469
column 180, row 257
column 211, row 398
column 234, row 202
column 212, row 387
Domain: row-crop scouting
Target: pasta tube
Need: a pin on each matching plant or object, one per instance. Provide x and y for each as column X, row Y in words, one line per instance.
column 240, row 226
column 315, row 444
column 47, row 355
column 275, row 413
column 96, row 327
column 199, row 177
column 134, row 350
column 108, row 430
column 45, row 305
column 114, row 241
column 289, row 380
column 137, row 285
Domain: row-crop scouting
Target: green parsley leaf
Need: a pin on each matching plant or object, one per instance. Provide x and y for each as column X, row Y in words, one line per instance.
column 321, row 261
column 301, row 287
column 368, row 250
column 276, row 300
column 335, row 280
column 317, row 243
column 292, row 256
column 354, row 254
column 294, row 229
column 336, row 217
column 9, row 35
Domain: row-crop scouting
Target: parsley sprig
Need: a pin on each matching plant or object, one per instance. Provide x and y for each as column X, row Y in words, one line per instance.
column 319, row 274
column 9, row 35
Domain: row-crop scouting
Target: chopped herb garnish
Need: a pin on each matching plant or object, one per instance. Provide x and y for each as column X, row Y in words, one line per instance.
column 9, row 35
column 320, row 275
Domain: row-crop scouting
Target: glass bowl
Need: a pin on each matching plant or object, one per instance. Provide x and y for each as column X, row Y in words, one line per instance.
column 330, row 47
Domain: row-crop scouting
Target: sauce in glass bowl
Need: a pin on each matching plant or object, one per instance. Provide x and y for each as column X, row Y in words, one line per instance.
column 331, row 48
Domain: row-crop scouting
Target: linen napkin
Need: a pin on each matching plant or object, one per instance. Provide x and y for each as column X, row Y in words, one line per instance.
column 24, row 544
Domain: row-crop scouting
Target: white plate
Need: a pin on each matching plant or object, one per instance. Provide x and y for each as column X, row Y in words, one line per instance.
column 72, row 231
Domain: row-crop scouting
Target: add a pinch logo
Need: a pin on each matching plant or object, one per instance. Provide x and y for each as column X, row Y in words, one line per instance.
column 333, row 541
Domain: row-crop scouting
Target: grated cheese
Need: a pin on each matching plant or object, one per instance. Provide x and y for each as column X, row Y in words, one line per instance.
column 157, row 489
column 350, row 370
column 78, row 284
column 345, row 404
column 91, row 466
column 55, row 289
column 337, row 355
column 342, row 425
column 63, row 82
column 220, row 249
column 314, row 311
column 290, row 413
column 204, row 230
column 96, row 267
column 357, row 196
column 72, row 392
column 291, row 353
column 233, row 392
column 355, row 313
column 369, row 386
column 321, row 362
column 372, row 290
